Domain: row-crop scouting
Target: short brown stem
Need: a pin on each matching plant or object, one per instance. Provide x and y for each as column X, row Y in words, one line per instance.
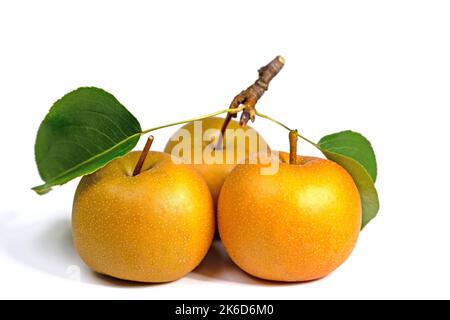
column 252, row 94
column 223, row 129
column 293, row 137
column 143, row 156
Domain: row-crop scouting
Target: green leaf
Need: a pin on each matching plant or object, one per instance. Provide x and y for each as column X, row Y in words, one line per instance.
column 83, row 131
column 348, row 149
column 353, row 145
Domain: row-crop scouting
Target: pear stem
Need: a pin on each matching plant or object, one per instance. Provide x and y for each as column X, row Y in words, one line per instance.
column 250, row 96
column 143, row 156
column 293, row 137
column 223, row 129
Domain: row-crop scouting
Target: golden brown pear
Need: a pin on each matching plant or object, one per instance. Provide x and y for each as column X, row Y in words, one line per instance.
column 298, row 224
column 215, row 173
column 153, row 227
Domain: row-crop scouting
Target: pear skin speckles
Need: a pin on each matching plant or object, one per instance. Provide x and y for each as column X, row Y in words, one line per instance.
column 154, row 227
column 299, row 224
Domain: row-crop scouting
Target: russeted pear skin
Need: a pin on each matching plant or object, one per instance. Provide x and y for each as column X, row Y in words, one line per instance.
column 298, row 224
column 215, row 174
column 154, row 227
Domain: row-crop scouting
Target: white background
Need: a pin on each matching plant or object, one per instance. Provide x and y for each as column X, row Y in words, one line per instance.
column 378, row 67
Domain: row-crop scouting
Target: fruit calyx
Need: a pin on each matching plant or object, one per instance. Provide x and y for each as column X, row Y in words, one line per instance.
column 143, row 156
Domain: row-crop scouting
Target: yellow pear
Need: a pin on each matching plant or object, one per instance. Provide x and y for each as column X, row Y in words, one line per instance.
column 297, row 224
column 156, row 226
column 212, row 159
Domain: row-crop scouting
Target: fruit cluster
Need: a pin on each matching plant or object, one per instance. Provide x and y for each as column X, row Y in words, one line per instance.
column 151, row 216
